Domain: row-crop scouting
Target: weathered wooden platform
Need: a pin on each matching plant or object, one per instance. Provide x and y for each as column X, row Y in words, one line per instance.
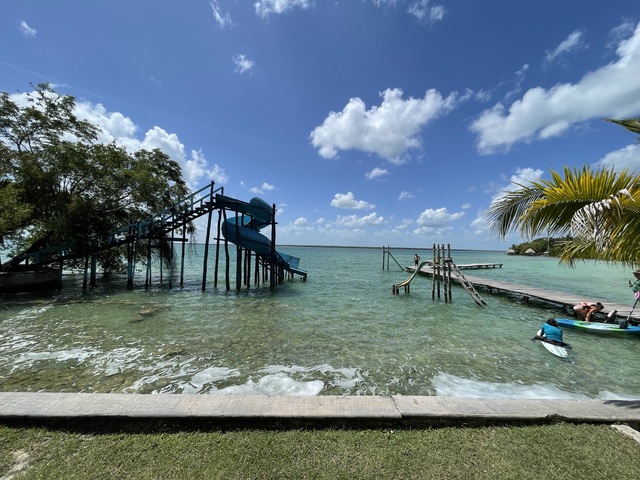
column 566, row 300
column 478, row 266
column 469, row 266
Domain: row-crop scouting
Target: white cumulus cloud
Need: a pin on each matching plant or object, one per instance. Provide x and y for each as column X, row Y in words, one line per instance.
column 389, row 130
column 627, row 157
column 353, row 221
column 265, row 187
column 222, row 19
column 376, row 173
column 115, row 127
column 425, row 12
column 437, row 217
column 242, row 63
column 572, row 43
column 611, row 91
column 26, row 30
column 264, row 8
column 348, row 201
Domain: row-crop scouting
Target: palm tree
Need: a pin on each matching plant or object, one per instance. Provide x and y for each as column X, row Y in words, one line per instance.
column 631, row 124
column 598, row 210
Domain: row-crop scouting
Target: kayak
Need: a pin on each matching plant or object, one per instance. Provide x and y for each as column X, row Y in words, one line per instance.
column 557, row 350
column 596, row 327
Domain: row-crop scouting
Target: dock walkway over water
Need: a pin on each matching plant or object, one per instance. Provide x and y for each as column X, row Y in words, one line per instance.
column 566, row 300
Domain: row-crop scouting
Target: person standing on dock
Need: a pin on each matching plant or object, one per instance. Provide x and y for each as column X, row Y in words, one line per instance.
column 635, row 286
column 416, row 260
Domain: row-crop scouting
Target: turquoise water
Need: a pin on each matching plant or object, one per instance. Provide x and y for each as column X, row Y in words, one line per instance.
column 341, row 332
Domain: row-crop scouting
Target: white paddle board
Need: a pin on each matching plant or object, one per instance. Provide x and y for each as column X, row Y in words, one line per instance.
column 558, row 351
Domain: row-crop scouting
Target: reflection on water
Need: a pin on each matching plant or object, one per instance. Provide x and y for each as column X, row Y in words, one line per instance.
column 341, row 332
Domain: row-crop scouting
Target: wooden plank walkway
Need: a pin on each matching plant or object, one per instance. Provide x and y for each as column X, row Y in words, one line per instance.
column 566, row 300
column 478, row 266
column 469, row 266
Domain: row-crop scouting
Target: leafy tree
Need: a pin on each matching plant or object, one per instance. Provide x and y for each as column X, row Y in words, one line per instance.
column 599, row 210
column 550, row 246
column 59, row 186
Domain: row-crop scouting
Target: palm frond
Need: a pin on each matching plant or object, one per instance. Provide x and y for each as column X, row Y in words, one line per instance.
column 599, row 210
column 631, row 124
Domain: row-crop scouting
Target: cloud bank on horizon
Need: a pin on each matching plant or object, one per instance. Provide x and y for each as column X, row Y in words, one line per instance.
column 360, row 138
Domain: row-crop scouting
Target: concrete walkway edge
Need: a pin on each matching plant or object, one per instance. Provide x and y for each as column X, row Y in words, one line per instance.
column 398, row 409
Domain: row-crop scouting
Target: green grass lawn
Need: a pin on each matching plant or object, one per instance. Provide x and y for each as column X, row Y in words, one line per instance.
column 546, row 451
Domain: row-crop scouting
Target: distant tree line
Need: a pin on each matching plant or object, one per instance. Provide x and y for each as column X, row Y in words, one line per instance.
column 549, row 246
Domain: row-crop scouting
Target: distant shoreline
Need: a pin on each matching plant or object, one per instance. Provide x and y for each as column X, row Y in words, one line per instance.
column 385, row 246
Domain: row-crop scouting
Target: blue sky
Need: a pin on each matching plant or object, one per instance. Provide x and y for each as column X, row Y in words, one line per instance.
column 367, row 122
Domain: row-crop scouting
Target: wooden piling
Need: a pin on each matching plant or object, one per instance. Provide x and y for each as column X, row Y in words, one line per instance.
column 206, row 245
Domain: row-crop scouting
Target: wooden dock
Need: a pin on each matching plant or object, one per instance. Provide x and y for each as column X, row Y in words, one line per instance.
column 478, row 266
column 566, row 300
column 468, row 266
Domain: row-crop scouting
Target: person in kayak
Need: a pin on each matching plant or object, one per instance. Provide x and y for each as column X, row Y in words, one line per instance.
column 586, row 310
column 550, row 332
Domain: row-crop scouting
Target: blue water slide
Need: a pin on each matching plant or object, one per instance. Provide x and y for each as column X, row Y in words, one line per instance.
column 244, row 230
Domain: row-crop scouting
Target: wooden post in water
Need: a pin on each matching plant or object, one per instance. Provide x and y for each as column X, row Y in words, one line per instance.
column 433, row 277
column 171, row 252
column 130, row 256
column 449, row 269
column 94, row 261
column 238, row 255
column 439, row 268
column 86, row 269
column 184, row 239
column 256, row 274
column 226, row 252
column 206, row 244
column 247, row 267
column 160, row 257
column 274, row 265
column 215, row 278
column 147, row 281
column 134, row 251
column 443, row 270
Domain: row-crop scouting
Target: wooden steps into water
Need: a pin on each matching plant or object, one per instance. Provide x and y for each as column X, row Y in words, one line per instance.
column 566, row 300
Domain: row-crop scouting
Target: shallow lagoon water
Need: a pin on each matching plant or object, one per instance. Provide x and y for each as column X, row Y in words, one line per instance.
column 341, row 332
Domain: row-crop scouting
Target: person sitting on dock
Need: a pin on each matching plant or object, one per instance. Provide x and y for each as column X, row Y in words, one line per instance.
column 586, row 310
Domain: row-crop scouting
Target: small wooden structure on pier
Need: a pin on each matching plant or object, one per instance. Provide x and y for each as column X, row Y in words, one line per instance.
column 164, row 230
column 441, row 267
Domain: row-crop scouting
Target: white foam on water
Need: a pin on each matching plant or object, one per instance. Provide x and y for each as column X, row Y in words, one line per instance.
column 447, row 385
column 16, row 343
column 344, row 378
column 118, row 360
column 274, row 384
column 167, row 373
column 29, row 359
column 606, row 395
column 32, row 312
column 207, row 376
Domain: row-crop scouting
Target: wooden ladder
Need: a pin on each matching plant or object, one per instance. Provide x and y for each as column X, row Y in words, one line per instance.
column 466, row 284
